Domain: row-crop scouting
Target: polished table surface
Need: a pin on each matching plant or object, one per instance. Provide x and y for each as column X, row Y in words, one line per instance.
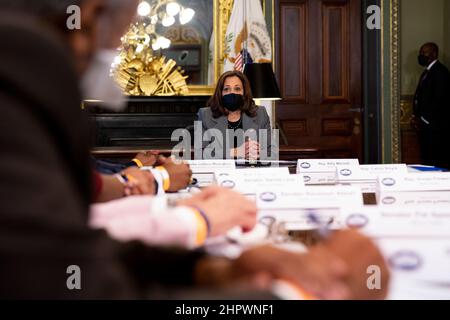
column 286, row 152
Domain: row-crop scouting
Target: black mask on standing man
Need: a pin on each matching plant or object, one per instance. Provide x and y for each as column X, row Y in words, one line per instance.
column 233, row 101
column 423, row 60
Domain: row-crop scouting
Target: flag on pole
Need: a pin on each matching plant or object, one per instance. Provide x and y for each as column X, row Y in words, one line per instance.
column 247, row 39
column 238, row 63
column 242, row 58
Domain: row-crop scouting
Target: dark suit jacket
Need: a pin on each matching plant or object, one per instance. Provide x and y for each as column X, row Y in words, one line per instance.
column 260, row 121
column 432, row 98
column 45, row 183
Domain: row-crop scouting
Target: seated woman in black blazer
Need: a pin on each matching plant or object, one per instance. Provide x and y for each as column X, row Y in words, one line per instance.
column 232, row 108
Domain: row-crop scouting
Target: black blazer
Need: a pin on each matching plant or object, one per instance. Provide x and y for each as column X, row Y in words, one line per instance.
column 45, row 183
column 432, row 98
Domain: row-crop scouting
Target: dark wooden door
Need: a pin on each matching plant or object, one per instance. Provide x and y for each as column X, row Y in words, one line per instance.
column 318, row 66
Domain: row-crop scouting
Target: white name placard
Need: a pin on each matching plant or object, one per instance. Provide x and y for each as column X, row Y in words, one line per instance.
column 419, row 262
column 378, row 169
column 298, row 219
column 424, row 198
column 211, row 165
column 293, row 207
column 319, row 178
column 203, row 170
column 419, row 221
column 368, row 172
column 414, row 182
column 248, row 184
column 324, row 165
column 254, row 172
column 310, row 197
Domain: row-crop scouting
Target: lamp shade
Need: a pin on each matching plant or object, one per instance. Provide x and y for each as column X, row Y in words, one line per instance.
column 262, row 81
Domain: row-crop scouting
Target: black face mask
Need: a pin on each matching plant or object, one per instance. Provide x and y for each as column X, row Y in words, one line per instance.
column 233, row 101
column 424, row 61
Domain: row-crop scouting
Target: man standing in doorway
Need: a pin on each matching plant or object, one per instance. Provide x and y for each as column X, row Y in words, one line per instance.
column 432, row 109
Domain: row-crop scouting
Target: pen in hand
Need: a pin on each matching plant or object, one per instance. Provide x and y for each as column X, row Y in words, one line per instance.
column 323, row 229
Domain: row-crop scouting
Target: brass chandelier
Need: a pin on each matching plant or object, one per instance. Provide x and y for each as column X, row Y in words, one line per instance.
column 139, row 69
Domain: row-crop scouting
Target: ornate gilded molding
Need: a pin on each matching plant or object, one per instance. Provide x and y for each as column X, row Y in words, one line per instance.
column 201, row 90
column 183, row 34
column 390, row 83
column 395, row 80
column 224, row 13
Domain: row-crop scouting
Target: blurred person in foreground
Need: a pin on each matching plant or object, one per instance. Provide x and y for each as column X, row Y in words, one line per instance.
column 121, row 209
column 97, row 84
column 45, row 188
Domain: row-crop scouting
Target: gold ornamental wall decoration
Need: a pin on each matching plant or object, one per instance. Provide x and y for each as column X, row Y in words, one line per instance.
column 139, row 72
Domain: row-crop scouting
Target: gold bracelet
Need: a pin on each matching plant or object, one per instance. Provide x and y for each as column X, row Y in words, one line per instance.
column 165, row 177
column 138, row 162
column 202, row 227
column 297, row 289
